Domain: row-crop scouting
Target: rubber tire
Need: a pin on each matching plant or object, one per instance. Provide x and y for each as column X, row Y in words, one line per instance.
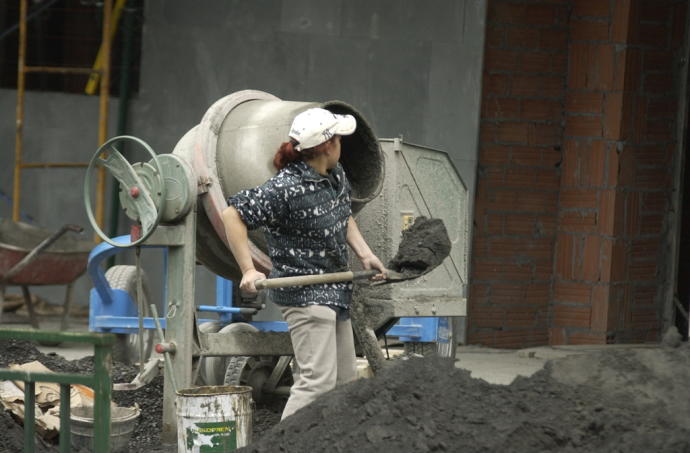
column 252, row 371
column 126, row 347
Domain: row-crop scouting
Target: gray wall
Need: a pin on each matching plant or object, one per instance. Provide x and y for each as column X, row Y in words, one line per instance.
column 412, row 67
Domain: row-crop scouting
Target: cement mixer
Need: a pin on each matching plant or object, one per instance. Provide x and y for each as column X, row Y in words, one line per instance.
column 176, row 200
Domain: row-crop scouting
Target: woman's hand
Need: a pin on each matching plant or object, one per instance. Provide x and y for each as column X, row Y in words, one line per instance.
column 248, row 279
column 371, row 261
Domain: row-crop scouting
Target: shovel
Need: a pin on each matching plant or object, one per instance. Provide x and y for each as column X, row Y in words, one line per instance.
column 422, row 248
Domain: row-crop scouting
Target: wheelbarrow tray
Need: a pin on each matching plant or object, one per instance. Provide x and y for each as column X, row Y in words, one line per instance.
column 61, row 263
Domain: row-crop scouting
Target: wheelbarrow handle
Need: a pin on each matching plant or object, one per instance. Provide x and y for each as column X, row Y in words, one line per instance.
column 315, row 279
column 33, row 254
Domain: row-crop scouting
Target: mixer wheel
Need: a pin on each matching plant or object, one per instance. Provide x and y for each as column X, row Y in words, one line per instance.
column 252, row 371
column 126, row 346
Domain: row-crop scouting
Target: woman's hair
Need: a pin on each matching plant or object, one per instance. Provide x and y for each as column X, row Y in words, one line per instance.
column 287, row 153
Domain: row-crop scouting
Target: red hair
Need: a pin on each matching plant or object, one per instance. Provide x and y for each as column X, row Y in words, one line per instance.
column 287, row 153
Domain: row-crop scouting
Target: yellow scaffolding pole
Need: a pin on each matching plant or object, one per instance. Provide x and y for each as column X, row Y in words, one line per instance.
column 103, row 73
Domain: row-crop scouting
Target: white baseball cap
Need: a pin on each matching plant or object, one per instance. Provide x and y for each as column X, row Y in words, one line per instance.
column 315, row 126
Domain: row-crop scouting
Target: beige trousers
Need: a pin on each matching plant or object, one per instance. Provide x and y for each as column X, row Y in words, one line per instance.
column 324, row 352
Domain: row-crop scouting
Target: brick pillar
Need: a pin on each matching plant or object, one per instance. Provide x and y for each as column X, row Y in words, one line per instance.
column 518, row 172
column 618, row 144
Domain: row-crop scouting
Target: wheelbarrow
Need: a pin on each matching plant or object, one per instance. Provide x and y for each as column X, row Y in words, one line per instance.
column 31, row 256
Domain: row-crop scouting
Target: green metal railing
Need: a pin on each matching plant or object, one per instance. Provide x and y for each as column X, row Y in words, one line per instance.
column 100, row 381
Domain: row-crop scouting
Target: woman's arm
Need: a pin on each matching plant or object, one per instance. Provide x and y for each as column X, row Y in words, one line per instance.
column 238, row 240
column 362, row 250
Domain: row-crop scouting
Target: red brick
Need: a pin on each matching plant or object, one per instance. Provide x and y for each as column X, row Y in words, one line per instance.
column 600, row 307
column 501, row 271
column 662, row 108
column 525, row 14
column 645, row 319
column 619, row 262
column 565, row 257
column 645, row 296
column 658, row 83
column 522, row 317
column 591, row 257
column 536, row 63
column 486, row 316
column 572, row 292
column 678, row 24
column 591, row 170
column 531, row 178
column 591, row 8
column 540, row 109
column 656, row 60
column 527, row 155
column 583, row 126
column 589, row 30
column 627, row 69
column 534, row 249
column 584, row 102
column 654, row 202
column 525, row 201
column 538, row 86
column 658, row 130
column 554, row 39
column 653, row 178
column 613, row 115
column 529, row 225
column 655, row 11
column 645, row 249
column 493, row 224
column 570, row 167
column 512, row 132
column 500, row 108
column 497, row 84
column 544, row 134
column 591, row 66
column 494, row 36
column 609, row 208
column 543, row 271
column 578, row 199
column 632, row 213
column 522, row 38
column 500, row 60
column 651, row 224
column 559, row 64
column 613, row 165
column 621, row 21
column 656, row 35
column 575, row 338
column 570, row 316
column 494, row 154
column 557, row 336
column 578, row 221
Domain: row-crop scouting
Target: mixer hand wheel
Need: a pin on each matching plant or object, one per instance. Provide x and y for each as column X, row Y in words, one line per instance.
column 147, row 211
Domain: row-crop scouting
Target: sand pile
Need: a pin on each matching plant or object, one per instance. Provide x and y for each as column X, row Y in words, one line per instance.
column 618, row 400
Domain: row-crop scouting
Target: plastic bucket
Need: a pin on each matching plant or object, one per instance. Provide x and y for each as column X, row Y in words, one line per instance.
column 122, row 423
column 214, row 419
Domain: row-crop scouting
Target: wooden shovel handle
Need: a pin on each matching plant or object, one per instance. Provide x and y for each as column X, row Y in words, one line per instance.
column 315, row 279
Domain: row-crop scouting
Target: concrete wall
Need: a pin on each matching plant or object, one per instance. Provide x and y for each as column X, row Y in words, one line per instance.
column 413, row 68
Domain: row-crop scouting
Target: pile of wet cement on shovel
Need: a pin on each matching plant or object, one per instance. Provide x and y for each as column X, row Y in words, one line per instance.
column 617, row 400
column 423, row 246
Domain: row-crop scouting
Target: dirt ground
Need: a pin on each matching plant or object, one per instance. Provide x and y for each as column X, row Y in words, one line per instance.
column 615, row 400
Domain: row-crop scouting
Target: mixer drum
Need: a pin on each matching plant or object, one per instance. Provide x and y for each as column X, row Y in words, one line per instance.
column 232, row 148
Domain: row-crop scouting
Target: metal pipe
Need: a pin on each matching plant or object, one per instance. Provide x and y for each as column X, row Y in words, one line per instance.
column 672, row 242
column 20, row 111
column 103, row 110
column 60, row 69
column 54, row 165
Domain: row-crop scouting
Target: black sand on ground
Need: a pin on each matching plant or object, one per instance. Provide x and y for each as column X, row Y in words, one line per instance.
column 614, row 400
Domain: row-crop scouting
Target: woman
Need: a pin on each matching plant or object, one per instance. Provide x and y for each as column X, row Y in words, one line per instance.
column 306, row 213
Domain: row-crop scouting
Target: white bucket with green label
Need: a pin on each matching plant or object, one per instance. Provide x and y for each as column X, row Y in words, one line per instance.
column 214, row 419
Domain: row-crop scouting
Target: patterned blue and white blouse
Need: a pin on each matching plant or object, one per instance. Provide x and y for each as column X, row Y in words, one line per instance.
column 304, row 216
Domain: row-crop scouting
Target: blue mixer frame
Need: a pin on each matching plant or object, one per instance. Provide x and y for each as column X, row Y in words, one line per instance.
column 114, row 310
